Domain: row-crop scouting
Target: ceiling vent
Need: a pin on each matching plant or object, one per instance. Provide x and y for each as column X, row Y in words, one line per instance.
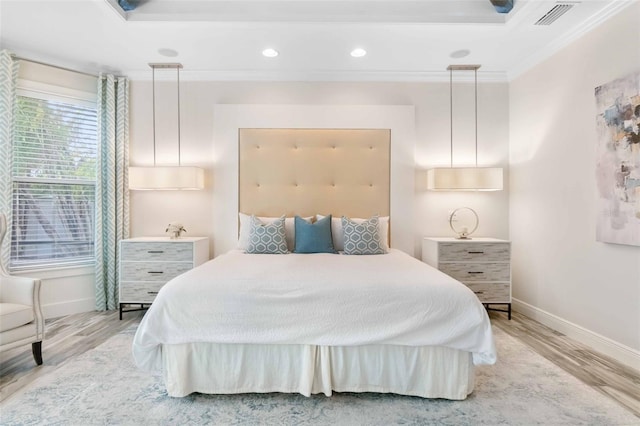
column 557, row 11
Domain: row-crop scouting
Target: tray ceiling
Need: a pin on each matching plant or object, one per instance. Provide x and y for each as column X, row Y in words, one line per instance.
column 223, row 40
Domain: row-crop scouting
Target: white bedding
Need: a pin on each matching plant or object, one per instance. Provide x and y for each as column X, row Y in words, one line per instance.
column 315, row 299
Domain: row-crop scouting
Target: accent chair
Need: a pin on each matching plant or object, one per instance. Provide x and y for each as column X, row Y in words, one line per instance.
column 21, row 319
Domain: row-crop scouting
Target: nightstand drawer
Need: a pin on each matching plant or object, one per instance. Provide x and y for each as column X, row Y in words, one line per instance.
column 153, row 271
column 139, row 292
column 152, row 251
column 477, row 271
column 491, row 292
column 476, row 252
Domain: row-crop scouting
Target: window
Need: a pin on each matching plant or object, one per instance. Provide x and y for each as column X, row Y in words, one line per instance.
column 54, row 179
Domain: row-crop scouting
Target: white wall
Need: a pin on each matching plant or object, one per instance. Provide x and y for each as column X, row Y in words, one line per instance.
column 152, row 211
column 65, row 291
column 561, row 275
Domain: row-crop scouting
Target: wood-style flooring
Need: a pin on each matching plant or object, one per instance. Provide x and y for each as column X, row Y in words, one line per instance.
column 602, row 373
column 65, row 338
column 75, row 334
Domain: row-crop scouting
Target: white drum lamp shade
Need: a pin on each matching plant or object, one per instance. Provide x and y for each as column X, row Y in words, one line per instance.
column 465, row 179
column 166, row 178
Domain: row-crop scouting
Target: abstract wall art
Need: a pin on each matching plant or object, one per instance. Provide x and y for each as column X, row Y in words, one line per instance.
column 618, row 161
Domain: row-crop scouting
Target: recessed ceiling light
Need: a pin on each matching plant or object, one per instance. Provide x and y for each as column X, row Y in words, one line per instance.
column 358, row 53
column 168, row 52
column 270, row 53
column 460, row 53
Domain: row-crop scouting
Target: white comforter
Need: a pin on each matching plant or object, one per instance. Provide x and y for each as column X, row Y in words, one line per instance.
column 315, row 299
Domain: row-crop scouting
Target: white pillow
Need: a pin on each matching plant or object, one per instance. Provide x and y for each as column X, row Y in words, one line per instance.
column 338, row 233
column 245, row 229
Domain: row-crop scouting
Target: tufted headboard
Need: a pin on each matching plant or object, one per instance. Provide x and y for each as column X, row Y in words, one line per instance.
column 309, row 171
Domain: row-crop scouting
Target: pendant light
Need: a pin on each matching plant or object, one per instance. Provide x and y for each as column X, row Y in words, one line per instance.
column 166, row 177
column 464, row 178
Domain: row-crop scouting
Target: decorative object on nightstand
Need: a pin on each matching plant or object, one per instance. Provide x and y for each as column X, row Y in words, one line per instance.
column 482, row 264
column 470, row 222
column 148, row 263
column 175, row 230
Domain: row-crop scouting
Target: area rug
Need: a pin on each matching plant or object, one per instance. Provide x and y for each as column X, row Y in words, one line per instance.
column 102, row 386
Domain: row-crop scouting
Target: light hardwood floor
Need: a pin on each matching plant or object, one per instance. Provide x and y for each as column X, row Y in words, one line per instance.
column 65, row 338
column 607, row 376
column 75, row 334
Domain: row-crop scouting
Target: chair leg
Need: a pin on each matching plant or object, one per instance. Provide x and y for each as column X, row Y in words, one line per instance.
column 36, row 348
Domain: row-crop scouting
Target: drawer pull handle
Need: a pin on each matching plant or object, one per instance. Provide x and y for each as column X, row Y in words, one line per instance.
column 479, row 292
column 475, row 252
column 475, row 272
column 155, row 272
column 152, row 292
column 155, row 251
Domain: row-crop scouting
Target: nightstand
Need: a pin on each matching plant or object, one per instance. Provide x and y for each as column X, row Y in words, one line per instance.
column 147, row 263
column 482, row 264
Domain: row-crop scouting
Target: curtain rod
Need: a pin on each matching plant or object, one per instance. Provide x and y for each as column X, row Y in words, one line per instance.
column 56, row 66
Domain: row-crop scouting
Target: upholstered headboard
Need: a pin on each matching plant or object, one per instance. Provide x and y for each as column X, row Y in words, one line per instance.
column 309, row 171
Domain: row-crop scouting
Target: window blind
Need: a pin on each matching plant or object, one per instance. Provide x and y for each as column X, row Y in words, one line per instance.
column 54, row 171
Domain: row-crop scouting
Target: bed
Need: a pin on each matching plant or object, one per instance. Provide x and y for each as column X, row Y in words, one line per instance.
column 321, row 322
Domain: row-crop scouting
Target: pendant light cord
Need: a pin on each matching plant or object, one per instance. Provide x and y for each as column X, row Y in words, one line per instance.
column 475, row 111
column 475, row 77
column 153, row 90
column 451, row 116
column 179, row 150
column 153, row 102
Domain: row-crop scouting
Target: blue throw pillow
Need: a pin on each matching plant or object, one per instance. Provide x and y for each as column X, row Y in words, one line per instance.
column 313, row 237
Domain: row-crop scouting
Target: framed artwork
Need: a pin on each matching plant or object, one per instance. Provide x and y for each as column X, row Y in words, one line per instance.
column 618, row 161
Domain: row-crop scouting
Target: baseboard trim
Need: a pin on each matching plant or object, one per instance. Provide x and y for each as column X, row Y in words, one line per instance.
column 621, row 353
column 56, row 310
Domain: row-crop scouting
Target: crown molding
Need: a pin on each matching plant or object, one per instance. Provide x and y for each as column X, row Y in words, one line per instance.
column 324, row 76
column 552, row 48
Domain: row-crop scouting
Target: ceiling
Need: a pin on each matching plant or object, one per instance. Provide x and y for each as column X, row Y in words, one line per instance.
column 223, row 40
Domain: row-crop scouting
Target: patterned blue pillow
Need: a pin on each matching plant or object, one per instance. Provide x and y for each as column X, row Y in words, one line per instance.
column 267, row 239
column 313, row 237
column 362, row 238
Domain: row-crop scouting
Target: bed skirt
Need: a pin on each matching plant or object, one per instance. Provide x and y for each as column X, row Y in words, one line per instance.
column 210, row 368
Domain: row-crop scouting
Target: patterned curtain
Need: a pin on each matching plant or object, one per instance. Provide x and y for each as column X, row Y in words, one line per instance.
column 8, row 78
column 112, row 193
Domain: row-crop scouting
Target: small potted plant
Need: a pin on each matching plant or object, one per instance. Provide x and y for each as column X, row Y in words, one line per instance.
column 175, row 229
